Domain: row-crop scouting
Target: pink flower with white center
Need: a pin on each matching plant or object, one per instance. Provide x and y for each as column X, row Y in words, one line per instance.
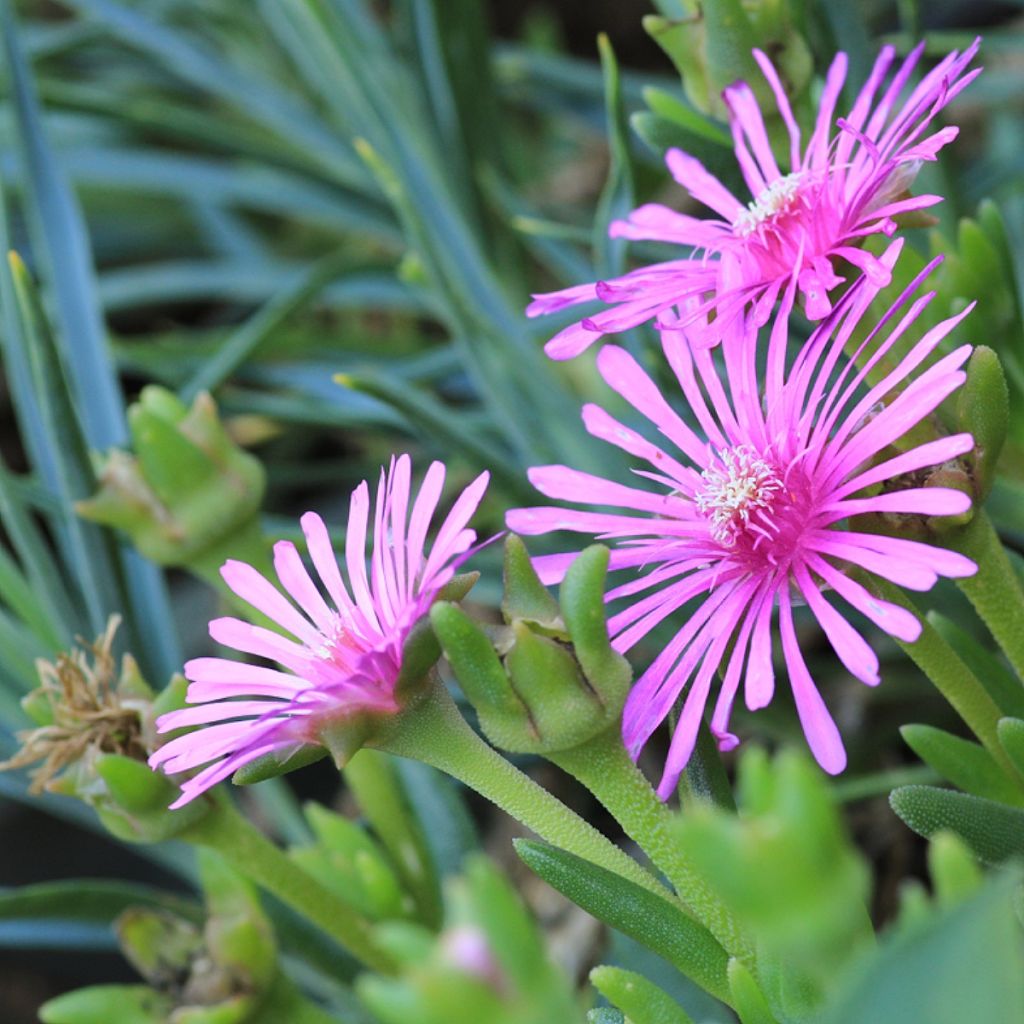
column 799, row 224
column 757, row 507
column 342, row 654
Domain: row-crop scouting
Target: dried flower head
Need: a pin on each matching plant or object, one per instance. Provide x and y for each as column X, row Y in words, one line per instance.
column 85, row 707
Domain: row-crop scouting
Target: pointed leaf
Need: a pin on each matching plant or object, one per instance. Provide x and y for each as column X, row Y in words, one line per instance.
column 658, row 924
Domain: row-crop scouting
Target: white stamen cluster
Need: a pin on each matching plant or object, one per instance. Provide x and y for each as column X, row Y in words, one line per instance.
column 733, row 491
column 773, row 200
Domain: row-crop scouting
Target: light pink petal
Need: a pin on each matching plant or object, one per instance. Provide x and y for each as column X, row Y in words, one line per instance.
column 822, row 735
column 853, row 650
column 891, row 618
column 294, row 578
column 704, row 187
column 623, row 374
column 252, row 588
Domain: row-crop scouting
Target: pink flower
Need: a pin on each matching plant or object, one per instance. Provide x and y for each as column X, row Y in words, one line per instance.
column 842, row 187
column 343, row 654
column 746, row 513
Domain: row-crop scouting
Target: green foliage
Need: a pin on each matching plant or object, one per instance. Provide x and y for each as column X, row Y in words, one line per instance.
column 549, row 680
column 993, row 831
column 785, row 867
column 641, row 999
column 959, row 964
column 652, row 921
column 488, row 963
column 285, row 196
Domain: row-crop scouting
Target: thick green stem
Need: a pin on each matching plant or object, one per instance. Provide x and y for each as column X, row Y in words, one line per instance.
column 604, row 767
column 372, row 776
column 995, row 591
column 952, row 678
column 250, row 853
column 433, row 731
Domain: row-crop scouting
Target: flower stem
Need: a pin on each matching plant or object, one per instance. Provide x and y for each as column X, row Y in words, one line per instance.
column 604, row 767
column 250, row 853
column 434, row 732
column 952, row 678
column 995, row 591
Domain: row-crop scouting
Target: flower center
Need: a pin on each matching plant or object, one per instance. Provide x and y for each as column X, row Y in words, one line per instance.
column 744, row 484
column 776, row 199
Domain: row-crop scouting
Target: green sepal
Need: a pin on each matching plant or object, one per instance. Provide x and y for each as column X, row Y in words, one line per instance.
column 546, row 676
column 101, row 1004
column 347, row 733
column 133, row 785
column 639, row 999
column 503, row 716
column 278, row 762
column 525, row 597
column 581, row 597
column 420, row 653
column 168, row 460
column 634, row 911
column 747, row 999
column 458, row 586
column 993, row 831
column 968, row 765
column 983, row 410
column 1011, row 738
column 953, row 869
column 170, row 698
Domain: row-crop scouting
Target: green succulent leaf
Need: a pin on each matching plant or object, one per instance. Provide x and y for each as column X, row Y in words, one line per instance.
column 968, row 765
column 654, row 922
column 993, row 831
column 639, row 999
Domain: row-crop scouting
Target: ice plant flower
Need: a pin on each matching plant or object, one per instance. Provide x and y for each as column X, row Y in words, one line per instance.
column 801, row 223
column 758, row 507
column 342, row 655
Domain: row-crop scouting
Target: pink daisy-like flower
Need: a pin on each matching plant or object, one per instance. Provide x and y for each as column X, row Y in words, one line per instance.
column 839, row 189
column 343, row 653
column 754, row 509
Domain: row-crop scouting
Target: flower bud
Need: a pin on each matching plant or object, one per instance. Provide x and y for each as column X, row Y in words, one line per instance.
column 186, row 489
column 711, row 48
column 983, row 410
column 549, row 680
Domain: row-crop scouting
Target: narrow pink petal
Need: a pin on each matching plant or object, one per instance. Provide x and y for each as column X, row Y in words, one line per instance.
column 853, row 650
column 623, row 374
column 921, row 501
column 704, row 187
column 891, row 618
column 423, row 510
column 321, row 551
column 252, row 588
column 355, row 552
column 294, row 578
column 822, row 735
column 932, row 453
column 453, row 538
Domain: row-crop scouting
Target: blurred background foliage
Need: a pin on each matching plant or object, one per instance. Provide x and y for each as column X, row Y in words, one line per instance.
column 329, row 214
